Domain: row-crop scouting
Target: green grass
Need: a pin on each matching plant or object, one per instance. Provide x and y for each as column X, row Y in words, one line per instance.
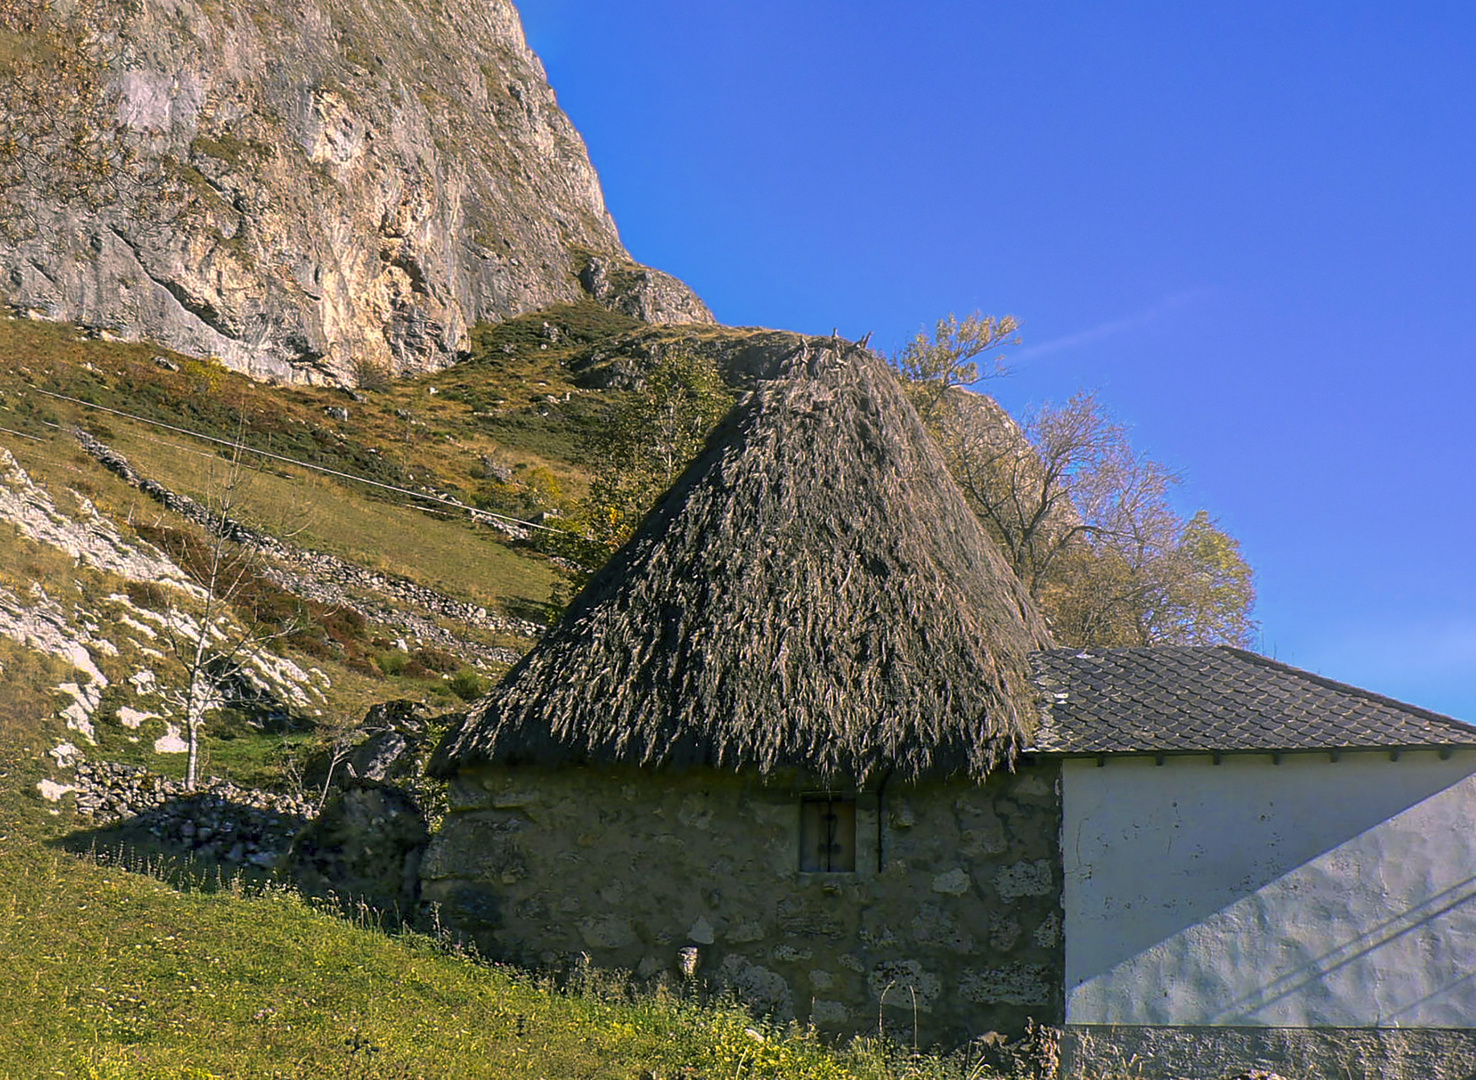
column 343, row 519
column 114, row 973
column 440, row 446
column 111, row 973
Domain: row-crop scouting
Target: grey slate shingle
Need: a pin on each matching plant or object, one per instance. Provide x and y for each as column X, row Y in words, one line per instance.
column 1216, row 699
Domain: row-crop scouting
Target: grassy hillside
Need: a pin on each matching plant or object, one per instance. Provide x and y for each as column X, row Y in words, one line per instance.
column 142, row 963
column 188, row 972
column 504, row 432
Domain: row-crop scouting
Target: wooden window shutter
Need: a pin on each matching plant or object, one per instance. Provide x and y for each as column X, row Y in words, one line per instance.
column 827, row 834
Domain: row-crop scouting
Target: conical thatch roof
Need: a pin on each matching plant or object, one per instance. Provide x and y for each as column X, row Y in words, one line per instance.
column 812, row 592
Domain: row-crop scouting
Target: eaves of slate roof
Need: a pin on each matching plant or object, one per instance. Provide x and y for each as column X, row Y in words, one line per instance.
column 1216, row 699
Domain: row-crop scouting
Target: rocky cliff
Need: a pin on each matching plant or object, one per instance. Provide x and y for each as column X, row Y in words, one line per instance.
column 312, row 190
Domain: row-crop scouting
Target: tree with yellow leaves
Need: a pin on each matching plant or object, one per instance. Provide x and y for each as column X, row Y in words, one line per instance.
column 1084, row 520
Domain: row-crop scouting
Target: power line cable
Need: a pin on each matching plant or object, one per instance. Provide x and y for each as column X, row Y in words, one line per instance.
column 471, row 510
column 71, row 467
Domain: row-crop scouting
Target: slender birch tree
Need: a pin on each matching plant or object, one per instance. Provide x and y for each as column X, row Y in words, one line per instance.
column 222, row 640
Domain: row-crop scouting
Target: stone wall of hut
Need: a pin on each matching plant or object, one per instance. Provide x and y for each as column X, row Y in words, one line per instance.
column 952, row 915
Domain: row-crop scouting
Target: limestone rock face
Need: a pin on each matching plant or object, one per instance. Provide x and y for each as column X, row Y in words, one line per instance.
column 322, row 188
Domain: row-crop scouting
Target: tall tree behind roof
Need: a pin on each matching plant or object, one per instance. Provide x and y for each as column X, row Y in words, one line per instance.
column 1086, row 522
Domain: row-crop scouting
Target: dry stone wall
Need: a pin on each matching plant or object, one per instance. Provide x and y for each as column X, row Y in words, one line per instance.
column 952, row 916
column 327, row 579
column 218, row 821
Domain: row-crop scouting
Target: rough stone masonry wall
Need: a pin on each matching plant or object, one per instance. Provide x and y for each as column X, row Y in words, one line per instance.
column 1337, row 1053
column 635, row 869
column 217, row 821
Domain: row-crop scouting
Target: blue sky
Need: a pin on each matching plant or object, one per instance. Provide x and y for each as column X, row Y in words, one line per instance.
column 1251, row 227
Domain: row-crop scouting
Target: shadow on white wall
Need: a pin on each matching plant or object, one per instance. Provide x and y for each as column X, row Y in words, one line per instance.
column 1310, row 893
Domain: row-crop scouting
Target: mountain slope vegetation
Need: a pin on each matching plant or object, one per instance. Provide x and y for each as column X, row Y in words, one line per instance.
column 199, row 968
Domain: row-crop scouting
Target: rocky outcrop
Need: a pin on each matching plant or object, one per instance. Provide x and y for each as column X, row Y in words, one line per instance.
column 366, row 844
column 745, row 356
column 327, row 579
column 317, row 190
column 390, row 746
column 368, row 840
column 90, row 538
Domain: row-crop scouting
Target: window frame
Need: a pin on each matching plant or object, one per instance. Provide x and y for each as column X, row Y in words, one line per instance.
column 835, row 851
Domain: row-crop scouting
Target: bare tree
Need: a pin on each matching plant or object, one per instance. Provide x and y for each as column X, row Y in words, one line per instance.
column 225, row 637
column 1087, row 525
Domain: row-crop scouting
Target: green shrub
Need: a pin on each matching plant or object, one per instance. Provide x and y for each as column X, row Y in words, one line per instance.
column 468, row 684
column 149, row 595
column 436, row 660
column 393, row 661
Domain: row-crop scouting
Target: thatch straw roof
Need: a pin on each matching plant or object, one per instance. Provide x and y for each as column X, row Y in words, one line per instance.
column 812, row 592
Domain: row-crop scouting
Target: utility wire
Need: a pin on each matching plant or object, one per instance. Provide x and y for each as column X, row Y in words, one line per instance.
column 473, row 511
column 201, row 453
column 71, row 467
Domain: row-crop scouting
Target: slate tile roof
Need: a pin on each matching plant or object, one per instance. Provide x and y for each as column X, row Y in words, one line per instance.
column 1216, row 699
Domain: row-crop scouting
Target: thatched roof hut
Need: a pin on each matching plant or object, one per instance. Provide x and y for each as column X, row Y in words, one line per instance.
column 811, row 593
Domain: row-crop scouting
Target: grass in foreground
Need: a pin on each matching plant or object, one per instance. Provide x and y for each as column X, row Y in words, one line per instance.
column 116, row 974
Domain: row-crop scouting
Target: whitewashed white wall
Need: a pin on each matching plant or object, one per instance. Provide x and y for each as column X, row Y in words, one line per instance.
column 1306, row 894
